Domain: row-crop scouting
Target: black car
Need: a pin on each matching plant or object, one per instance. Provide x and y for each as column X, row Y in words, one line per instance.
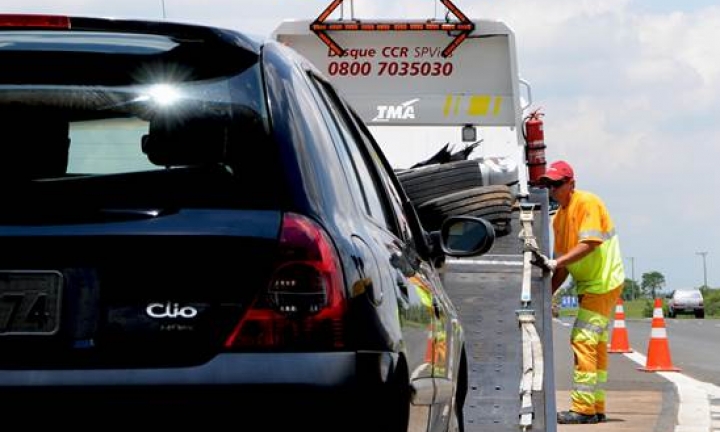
column 195, row 226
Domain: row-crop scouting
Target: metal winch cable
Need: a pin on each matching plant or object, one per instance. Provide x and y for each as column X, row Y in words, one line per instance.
column 532, row 352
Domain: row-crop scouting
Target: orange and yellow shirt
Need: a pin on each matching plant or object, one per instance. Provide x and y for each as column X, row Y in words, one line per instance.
column 584, row 219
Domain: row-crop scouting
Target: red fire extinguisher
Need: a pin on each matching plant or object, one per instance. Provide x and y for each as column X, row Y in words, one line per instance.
column 535, row 146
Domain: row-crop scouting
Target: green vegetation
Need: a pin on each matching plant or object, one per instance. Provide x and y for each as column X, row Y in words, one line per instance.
column 637, row 308
column 712, row 301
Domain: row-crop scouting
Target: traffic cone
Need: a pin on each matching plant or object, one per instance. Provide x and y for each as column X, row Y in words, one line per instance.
column 619, row 338
column 658, row 355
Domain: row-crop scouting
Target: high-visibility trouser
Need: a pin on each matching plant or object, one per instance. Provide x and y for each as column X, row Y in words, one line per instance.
column 589, row 338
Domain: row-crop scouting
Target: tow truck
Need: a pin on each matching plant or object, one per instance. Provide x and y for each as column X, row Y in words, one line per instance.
column 415, row 80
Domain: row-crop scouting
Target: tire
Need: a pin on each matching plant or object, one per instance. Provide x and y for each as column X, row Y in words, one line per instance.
column 493, row 203
column 427, row 183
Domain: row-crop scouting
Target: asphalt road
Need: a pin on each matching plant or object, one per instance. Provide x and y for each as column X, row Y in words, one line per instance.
column 682, row 400
column 694, row 345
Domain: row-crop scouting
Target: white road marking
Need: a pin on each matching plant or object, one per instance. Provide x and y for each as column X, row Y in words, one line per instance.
column 699, row 407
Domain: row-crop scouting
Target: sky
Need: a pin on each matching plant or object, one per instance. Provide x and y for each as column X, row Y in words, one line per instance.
column 629, row 91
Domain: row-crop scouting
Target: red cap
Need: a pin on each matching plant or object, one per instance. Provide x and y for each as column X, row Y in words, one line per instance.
column 558, row 170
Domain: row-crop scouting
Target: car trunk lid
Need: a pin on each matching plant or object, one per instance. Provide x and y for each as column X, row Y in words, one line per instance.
column 165, row 289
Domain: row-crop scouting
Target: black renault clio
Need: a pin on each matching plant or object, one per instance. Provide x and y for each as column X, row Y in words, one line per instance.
column 195, row 226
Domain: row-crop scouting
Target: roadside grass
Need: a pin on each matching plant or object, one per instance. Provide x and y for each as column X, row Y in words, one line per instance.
column 635, row 308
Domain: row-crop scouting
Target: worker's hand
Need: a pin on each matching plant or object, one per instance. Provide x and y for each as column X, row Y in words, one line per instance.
column 544, row 262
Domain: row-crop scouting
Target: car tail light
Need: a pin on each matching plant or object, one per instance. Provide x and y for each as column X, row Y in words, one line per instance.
column 32, row 21
column 304, row 305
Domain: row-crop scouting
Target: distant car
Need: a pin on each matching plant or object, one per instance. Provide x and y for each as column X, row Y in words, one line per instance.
column 196, row 227
column 686, row 301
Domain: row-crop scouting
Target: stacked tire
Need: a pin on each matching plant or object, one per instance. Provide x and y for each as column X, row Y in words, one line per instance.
column 456, row 188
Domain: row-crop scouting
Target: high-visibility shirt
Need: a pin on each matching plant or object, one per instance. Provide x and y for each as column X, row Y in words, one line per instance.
column 586, row 219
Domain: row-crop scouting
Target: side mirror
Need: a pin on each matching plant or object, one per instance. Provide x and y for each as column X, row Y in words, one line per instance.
column 466, row 236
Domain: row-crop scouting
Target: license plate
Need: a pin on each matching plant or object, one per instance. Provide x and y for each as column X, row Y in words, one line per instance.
column 30, row 302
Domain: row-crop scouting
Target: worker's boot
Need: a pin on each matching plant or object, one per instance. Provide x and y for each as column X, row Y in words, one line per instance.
column 572, row 417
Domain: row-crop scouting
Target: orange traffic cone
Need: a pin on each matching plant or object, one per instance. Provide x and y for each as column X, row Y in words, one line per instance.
column 619, row 338
column 658, row 355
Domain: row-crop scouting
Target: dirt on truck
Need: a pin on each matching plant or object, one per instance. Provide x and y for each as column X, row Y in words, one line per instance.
column 446, row 101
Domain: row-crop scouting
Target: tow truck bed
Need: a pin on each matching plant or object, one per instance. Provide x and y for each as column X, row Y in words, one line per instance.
column 487, row 293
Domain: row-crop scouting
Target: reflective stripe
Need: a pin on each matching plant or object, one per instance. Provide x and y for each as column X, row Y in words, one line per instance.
column 584, row 235
column 583, row 325
column 589, row 327
column 583, row 388
column 657, row 313
column 619, row 324
column 593, row 317
column 584, row 378
column 658, row 333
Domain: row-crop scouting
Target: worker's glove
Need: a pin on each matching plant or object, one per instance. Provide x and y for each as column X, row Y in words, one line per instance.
column 543, row 262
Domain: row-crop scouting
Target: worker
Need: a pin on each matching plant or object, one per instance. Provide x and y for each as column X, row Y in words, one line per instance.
column 587, row 248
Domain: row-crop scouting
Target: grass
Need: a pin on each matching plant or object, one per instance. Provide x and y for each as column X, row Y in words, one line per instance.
column 634, row 308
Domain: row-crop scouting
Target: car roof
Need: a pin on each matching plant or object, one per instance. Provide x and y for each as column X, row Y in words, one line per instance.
column 186, row 31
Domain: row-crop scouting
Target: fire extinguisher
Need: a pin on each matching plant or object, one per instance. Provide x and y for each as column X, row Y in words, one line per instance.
column 534, row 147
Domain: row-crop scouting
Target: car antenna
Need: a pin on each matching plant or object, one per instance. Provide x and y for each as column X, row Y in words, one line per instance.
column 162, row 4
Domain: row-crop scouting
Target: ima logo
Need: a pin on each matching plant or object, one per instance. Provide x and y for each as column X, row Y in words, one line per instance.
column 404, row 111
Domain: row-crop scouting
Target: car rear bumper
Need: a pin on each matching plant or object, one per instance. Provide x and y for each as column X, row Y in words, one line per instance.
column 688, row 309
column 314, row 369
column 281, row 388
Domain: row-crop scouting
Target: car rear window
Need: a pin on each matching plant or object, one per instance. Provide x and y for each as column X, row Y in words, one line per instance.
column 116, row 58
column 117, row 117
column 688, row 294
